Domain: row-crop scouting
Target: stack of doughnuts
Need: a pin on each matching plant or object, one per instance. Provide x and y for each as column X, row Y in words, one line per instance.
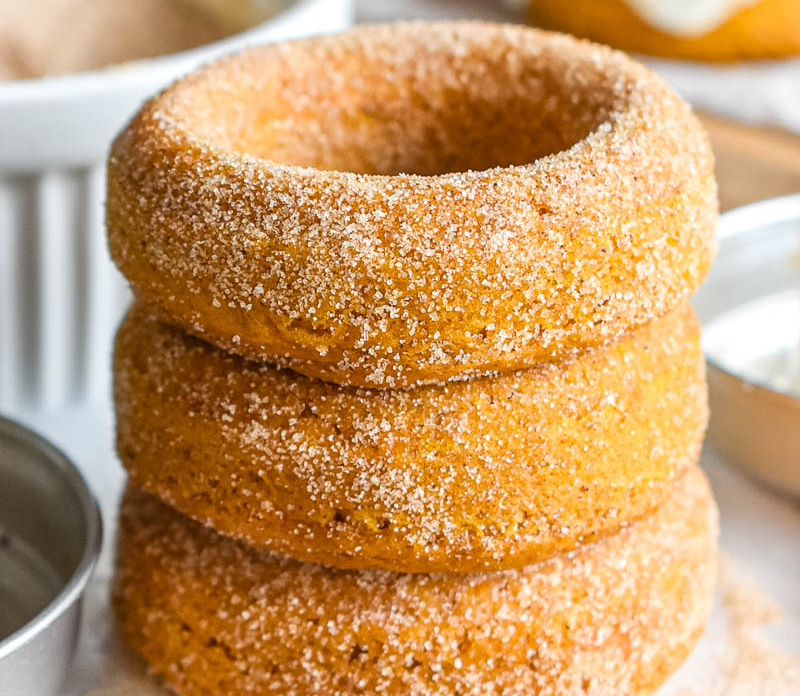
column 411, row 397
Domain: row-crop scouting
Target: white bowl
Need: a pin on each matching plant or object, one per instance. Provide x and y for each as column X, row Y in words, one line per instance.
column 60, row 296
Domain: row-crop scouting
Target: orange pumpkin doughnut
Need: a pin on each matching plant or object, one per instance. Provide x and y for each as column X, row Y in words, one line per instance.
column 495, row 472
column 213, row 616
column 761, row 30
column 401, row 204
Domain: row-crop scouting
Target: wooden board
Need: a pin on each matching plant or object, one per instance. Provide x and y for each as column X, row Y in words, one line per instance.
column 753, row 162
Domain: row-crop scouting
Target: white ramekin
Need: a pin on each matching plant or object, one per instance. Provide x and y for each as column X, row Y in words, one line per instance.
column 60, row 296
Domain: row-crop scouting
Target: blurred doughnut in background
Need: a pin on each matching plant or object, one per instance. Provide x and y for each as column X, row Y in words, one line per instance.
column 704, row 30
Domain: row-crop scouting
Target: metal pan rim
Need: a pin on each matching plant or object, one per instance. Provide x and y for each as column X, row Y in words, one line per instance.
column 75, row 585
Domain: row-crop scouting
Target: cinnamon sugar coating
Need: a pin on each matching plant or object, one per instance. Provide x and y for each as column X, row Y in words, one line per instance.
column 213, row 616
column 490, row 473
column 403, row 204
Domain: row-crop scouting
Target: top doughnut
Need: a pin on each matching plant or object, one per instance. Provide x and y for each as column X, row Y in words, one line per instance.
column 405, row 203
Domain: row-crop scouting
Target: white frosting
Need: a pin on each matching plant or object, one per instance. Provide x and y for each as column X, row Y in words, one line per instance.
column 687, row 17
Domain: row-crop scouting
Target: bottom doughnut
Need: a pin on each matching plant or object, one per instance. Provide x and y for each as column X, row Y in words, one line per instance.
column 213, row 616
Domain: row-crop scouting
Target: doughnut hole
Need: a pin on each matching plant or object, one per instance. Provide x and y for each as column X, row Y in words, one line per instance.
column 415, row 108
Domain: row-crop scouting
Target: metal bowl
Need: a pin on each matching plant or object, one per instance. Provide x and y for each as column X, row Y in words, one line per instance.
column 750, row 310
column 50, row 533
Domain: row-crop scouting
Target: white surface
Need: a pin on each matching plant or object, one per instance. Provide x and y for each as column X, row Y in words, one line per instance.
column 760, row 532
column 388, row 10
column 765, row 92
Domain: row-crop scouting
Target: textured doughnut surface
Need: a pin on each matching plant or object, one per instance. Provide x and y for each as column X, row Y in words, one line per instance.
column 490, row 473
column 767, row 29
column 401, row 204
column 216, row 617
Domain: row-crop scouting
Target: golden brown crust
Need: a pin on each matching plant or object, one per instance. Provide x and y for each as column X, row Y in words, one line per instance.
column 617, row 617
column 768, row 29
column 490, row 473
column 555, row 195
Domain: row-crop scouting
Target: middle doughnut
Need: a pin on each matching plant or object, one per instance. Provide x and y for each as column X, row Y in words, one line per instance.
column 491, row 473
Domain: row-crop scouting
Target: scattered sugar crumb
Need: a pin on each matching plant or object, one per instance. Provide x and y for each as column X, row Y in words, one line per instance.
column 748, row 663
